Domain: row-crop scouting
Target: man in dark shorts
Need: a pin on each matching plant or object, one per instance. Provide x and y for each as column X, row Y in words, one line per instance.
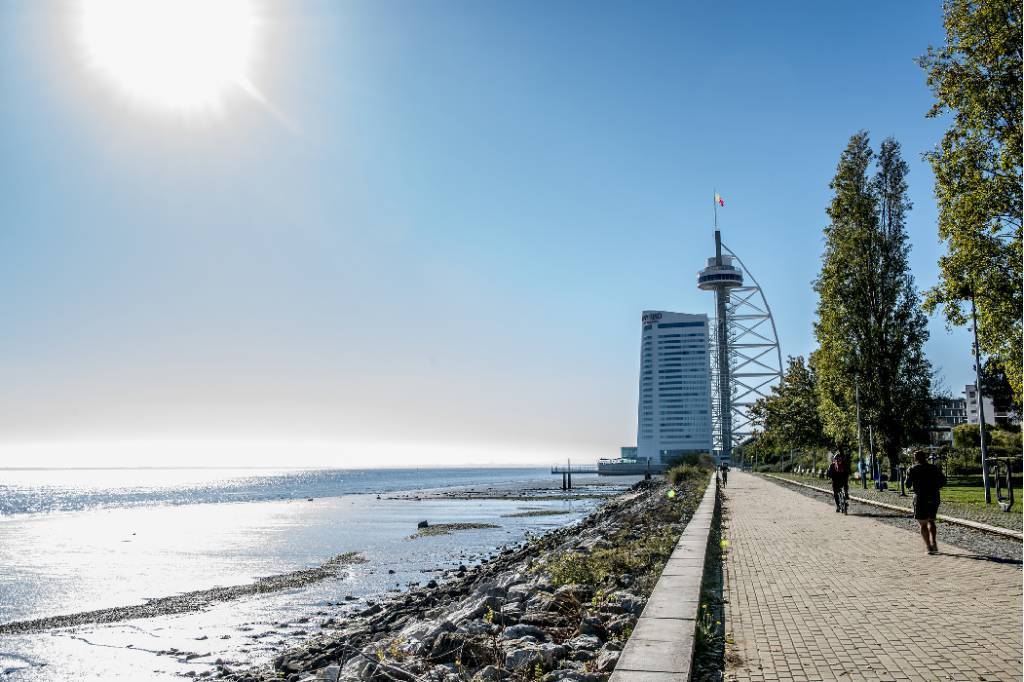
column 926, row 479
column 839, row 472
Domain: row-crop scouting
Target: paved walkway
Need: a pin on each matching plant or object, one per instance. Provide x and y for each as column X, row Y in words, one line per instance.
column 801, row 578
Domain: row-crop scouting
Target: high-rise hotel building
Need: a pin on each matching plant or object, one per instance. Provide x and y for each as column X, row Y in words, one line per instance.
column 675, row 386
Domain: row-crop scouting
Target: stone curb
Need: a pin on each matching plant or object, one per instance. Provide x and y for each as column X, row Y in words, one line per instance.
column 1006, row 532
column 661, row 646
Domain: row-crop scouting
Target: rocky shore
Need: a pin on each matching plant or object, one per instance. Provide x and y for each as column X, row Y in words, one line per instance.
column 558, row 607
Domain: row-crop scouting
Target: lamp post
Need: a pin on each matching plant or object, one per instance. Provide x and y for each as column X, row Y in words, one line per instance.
column 981, row 404
column 860, row 439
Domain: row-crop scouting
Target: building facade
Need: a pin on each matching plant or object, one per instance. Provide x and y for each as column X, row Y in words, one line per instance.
column 947, row 413
column 674, row 411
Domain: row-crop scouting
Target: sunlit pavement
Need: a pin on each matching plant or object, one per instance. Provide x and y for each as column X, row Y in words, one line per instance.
column 815, row 595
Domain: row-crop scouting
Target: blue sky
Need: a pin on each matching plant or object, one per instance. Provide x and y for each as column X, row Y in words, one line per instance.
column 441, row 232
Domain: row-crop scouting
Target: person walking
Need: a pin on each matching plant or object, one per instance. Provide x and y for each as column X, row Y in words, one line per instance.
column 926, row 480
column 723, row 470
column 839, row 472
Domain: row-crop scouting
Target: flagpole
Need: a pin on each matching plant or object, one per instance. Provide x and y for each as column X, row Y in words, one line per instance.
column 714, row 202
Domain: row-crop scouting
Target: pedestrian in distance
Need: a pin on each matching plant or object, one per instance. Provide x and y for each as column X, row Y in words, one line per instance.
column 839, row 472
column 926, row 480
column 723, row 470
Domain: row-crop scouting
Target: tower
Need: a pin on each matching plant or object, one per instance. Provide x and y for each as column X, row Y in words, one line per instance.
column 743, row 366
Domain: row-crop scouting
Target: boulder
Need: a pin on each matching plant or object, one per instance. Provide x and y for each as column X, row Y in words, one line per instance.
column 520, row 592
column 584, row 642
column 606, row 660
column 420, row 635
column 529, row 656
column 491, row 673
column 620, row 624
column 524, row 630
column 592, row 625
column 474, row 608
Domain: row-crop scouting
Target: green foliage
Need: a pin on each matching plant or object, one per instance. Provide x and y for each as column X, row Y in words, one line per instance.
column 707, row 633
column 1000, row 441
column 645, row 543
column 789, row 418
column 682, row 473
column 976, row 77
column 697, row 459
column 869, row 326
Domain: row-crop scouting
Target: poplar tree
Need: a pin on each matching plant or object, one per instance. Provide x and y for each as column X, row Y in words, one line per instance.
column 870, row 327
column 976, row 78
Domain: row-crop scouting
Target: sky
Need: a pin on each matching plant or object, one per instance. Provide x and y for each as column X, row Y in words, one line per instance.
column 423, row 232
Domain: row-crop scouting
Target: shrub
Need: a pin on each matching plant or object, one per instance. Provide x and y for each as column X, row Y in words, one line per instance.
column 682, row 473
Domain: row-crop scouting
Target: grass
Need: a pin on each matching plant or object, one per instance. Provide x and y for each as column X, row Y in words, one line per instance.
column 975, row 495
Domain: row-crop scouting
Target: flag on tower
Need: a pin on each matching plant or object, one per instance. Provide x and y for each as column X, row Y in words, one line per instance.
column 719, row 200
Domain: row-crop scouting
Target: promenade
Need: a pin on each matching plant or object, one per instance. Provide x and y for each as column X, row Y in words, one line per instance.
column 815, row 595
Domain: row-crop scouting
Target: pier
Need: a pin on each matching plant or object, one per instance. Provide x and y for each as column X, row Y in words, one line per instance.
column 568, row 470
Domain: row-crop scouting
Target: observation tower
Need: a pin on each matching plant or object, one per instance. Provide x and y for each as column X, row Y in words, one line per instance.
column 745, row 356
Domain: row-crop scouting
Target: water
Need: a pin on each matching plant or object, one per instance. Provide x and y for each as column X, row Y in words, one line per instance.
column 33, row 491
column 74, row 541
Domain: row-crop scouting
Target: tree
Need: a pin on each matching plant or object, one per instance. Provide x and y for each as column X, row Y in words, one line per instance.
column 996, row 385
column 976, row 76
column 788, row 418
column 869, row 326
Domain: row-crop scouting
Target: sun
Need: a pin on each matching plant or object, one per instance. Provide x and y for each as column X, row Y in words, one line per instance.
column 177, row 55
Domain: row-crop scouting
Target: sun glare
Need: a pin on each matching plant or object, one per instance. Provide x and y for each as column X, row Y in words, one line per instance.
column 183, row 55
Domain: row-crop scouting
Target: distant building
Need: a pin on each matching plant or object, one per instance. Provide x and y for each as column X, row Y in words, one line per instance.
column 971, row 395
column 627, row 452
column 945, row 414
column 674, row 411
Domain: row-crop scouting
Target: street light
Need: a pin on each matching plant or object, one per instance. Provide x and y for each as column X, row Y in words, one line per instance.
column 981, row 404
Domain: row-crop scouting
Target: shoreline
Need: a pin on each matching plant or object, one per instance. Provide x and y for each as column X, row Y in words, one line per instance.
column 557, row 607
column 188, row 601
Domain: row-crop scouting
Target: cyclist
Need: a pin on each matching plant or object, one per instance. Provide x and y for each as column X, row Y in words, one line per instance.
column 839, row 472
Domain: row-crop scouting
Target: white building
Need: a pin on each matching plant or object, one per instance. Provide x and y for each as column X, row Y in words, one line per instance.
column 971, row 395
column 675, row 386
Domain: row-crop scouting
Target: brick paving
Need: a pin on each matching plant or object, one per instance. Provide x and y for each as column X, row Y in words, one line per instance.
column 801, row 578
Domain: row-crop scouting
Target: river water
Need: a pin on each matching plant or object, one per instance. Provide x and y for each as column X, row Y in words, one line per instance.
column 74, row 541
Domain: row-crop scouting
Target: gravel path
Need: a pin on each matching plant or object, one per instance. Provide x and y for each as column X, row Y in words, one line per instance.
column 980, row 543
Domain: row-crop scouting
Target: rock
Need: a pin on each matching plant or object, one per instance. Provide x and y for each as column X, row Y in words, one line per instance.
column 620, row 624
column 476, row 608
column 541, row 601
column 420, row 635
column 490, row 589
column 490, row 673
column 543, row 619
column 573, row 594
column 452, row 646
column 581, row 656
column 592, row 625
column 606, row 660
column 524, row 630
column 584, row 642
column 520, row 592
column 331, row 673
column 573, row 676
column 626, row 580
column 627, row 602
column 423, row 524
column 530, row 656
